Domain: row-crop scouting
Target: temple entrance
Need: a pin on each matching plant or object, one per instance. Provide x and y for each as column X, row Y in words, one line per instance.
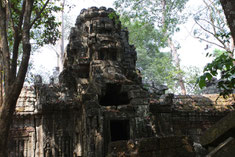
column 119, row 130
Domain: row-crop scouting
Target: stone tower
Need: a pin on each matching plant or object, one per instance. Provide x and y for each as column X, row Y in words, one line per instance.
column 98, row 49
column 99, row 68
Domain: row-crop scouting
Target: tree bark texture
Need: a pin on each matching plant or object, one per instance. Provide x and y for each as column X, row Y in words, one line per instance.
column 13, row 83
column 229, row 11
column 176, row 60
column 1, row 81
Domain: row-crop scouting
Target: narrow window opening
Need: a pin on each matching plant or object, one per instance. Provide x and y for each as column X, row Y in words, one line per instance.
column 119, row 130
column 91, row 28
column 86, row 29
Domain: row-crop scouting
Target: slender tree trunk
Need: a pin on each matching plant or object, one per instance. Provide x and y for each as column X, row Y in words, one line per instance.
column 175, row 55
column 176, row 60
column 62, row 39
column 232, row 46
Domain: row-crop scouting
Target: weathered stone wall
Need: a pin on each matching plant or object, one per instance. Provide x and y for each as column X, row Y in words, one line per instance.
column 189, row 115
column 44, row 124
column 100, row 102
column 152, row 147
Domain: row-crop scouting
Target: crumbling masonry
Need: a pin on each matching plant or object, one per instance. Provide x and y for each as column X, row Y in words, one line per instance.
column 100, row 107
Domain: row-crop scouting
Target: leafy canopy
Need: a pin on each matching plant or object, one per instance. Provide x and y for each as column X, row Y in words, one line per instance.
column 212, row 28
column 150, row 26
column 44, row 27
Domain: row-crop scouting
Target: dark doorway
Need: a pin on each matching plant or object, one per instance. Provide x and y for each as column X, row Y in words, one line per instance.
column 83, row 71
column 119, row 130
column 114, row 96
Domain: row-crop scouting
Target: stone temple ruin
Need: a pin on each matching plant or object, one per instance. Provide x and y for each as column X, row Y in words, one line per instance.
column 100, row 108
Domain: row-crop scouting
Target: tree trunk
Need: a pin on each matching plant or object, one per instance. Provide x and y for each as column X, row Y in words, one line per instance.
column 6, row 112
column 1, row 84
column 61, row 55
column 176, row 61
column 175, row 55
column 229, row 11
column 12, row 84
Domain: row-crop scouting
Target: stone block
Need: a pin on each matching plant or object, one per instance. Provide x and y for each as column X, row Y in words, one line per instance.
column 140, row 101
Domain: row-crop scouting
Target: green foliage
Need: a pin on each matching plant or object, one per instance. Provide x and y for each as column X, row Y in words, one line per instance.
column 45, row 30
column 149, row 34
column 44, row 25
column 213, row 29
column 156, row 66
column 114, row 16
column 191, row 76
column 223, row 64
column 151, row 11
column 211, row 25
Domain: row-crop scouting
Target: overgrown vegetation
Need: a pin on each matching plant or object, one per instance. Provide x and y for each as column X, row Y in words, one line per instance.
column 214, row 30
column 152, row 25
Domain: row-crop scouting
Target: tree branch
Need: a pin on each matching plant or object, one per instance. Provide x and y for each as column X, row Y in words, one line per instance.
column 172, row 6
column 210, row 33
column 137, row 3
column 218, row 12
column 203, row 28
column 211, row 18
column 18, row 84
column 10, row 15
column 4, row 48
column 39, row 14
column 22, row 14
column 210, row 42
column 18, row 39
column 222, row 30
